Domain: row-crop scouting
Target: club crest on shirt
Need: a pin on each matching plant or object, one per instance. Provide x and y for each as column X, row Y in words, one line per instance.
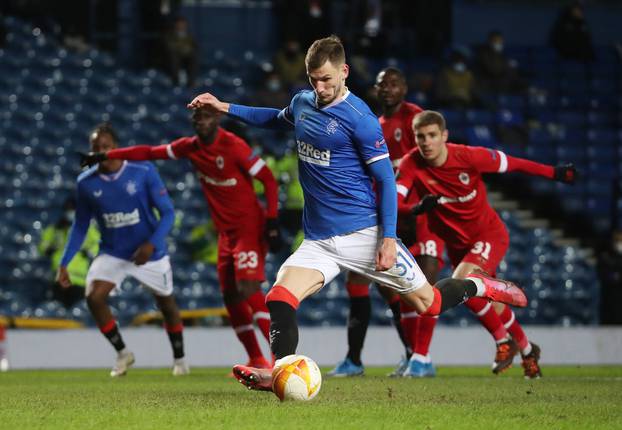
column 397, row 134
column 331, row 127
column 220, row 162
column 130, row 187
column 464, row 178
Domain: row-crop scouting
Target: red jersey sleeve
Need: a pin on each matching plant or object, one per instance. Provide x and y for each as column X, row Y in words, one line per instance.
column 180, row 148
column 405, row 178
column 488, row 160
column 174, row 150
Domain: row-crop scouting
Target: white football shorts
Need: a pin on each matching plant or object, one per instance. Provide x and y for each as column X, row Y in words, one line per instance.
column 155, row 275
column 357, row 252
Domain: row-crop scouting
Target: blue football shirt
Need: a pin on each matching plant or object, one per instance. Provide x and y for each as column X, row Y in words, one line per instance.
column 123, row 205
column 335, row 144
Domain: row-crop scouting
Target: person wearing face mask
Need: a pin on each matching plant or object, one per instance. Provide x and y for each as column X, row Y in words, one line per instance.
column 289, row 65
column 610, row 273
column 455, row 87
column 496, row 73
column 53, row 240
column 272, row 92
column 571, row 35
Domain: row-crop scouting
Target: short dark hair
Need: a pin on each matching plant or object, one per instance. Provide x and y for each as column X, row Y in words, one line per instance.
column 322, row 50
column 394, row 71
column 429, row 117
column 106, row 128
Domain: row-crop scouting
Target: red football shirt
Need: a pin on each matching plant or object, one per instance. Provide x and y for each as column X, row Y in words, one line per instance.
column 398, row 132
column 225, row 169
column 464, row 210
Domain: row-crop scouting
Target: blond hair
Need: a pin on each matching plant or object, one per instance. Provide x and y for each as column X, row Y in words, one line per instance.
column 323, row 50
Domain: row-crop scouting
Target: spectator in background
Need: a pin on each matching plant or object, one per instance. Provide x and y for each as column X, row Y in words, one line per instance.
column 455, row 86
column 610, row 273
column 571, row 36
column 53, row 240
column 289, row 65
column 204, row 243
column 181, row 53
column 272, row 92
column 496, row 73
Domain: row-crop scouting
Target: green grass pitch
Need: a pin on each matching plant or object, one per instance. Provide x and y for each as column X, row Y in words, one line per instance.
column 458, row 398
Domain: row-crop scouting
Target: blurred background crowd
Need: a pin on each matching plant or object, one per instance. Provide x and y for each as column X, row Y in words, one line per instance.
column 540, row 79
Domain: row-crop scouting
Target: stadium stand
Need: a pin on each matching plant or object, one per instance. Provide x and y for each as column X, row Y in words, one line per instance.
column 50, row 98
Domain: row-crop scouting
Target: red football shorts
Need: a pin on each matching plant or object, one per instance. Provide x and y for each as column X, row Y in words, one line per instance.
column 427, row 243
column 486, row 250
column 241, row 256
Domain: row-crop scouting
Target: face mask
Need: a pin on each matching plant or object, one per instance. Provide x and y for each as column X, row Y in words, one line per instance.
column 459, row 67
column 497, row 47
column 618, row 247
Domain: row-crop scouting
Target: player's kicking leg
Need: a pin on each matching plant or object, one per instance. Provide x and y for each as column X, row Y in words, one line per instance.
column 292, row 285
column 175, row 331
column 96, row 299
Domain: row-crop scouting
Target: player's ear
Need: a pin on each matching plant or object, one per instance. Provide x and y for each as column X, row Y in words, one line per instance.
column 345, row 70
column 445, row 135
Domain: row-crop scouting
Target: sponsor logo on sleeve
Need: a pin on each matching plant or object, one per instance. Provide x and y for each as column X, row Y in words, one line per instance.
column 308, row 153
column 121, row 219
column 379, row 143
column 220, row 162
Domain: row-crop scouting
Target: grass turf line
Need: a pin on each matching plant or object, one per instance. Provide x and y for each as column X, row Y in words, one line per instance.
column 460, row 397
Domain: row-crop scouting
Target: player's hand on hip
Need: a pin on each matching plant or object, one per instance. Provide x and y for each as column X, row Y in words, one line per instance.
column 566, row 173
column 62, row 277
column 143, row 253
column 91, row 158
column 387, row 254
column 273, row 235
column 426, row 204
column 209, row 101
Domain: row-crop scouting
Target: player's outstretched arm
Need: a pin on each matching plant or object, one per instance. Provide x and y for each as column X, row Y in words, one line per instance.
column 133, row 153
column 487, row 161
column 258, row 116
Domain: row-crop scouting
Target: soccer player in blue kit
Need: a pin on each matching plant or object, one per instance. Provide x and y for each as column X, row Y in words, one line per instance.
column 341, row 150
column 122, row 196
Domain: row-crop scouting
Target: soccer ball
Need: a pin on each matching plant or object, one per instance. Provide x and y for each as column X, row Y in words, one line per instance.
column 296, row 377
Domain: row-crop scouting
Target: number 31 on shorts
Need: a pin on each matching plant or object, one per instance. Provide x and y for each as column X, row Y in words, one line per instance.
column 247, row 260
column 482, row 248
